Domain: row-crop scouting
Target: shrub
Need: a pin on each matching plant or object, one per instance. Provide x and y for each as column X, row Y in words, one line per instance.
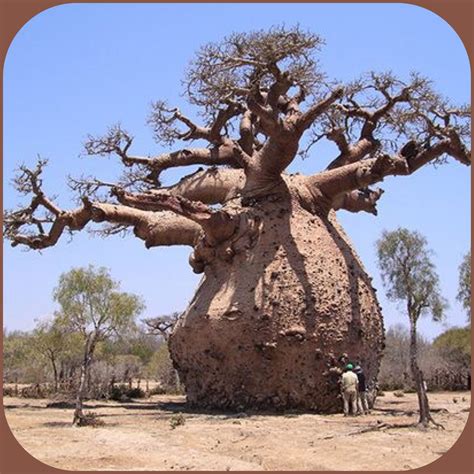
column 61, row 404
column 123, row 393
column 177, row 420
column 90, row 419
column 158, row 390
column 8, row 391
column 35, row 391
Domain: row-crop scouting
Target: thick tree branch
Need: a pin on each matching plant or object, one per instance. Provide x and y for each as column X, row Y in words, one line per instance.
column 218, row 224
column 359, row 200
column 307, row 118
column 247, row 136
column 154, row 228
column 334, row 184
column 211, row 186
column 353, row 152
column 269, row 121
column 118, row 141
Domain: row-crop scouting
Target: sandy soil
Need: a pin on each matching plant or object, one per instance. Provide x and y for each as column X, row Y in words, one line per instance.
column 139, row 436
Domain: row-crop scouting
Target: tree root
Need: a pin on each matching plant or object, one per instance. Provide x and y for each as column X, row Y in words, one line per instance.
column 435, row 423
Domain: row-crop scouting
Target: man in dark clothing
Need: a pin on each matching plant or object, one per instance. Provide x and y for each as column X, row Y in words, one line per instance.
column 362, row 403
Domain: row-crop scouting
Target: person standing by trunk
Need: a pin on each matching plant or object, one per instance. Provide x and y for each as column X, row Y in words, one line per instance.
column 349, row 387
column 362, row 403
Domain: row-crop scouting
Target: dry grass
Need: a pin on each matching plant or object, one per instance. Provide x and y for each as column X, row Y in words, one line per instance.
column 140, row 436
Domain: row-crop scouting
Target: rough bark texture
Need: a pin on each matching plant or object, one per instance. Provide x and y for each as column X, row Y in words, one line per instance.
column 417, row 374
column 267, row 327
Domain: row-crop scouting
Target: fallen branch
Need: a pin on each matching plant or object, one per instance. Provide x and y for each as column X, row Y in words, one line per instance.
column 378, row 427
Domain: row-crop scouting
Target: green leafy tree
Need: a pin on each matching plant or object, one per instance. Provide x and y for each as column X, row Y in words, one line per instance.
column 16, row 354
column 92, row 305
column 455, row 345
column 464, row 292
column 50, row 339
column 410, row 278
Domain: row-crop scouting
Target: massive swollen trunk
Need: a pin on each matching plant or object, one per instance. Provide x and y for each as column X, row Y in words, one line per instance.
column 270, row 325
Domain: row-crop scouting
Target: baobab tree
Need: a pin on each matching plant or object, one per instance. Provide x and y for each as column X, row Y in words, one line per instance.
column 283, row 293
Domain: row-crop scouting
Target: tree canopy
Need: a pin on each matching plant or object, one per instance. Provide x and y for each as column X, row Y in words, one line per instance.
column 455, row 339
column 464, row 292
column 409, row 273
column 92, row 305
column 258, row 94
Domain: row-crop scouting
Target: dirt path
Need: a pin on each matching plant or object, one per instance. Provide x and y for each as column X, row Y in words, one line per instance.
column 138, row 436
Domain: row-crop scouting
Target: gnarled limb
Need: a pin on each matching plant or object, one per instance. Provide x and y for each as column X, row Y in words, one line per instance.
column 155, row 229
column 306, row 119
column 163, row 121
column 334, row 184
column 217, row 224
column 359, row 200
column 118, row 141
column 211, row 186
column 163, row 228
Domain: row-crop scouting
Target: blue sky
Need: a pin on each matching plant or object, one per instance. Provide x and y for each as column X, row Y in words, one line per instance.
column 76, row 69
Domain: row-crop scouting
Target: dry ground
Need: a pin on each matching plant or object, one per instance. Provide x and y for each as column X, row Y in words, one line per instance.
column 139, row 436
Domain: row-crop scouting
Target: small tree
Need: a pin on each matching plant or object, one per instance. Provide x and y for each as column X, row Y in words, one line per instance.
column 464, row 292
column 163, row 326
column 410, row 277
column 92, row 305
column 50, row 340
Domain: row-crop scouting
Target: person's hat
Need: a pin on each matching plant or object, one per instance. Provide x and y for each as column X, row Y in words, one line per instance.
column 349, row 366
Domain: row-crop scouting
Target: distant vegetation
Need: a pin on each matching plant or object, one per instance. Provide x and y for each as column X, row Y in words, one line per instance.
column 136, row 359
column 91, row 348
column 446, row 362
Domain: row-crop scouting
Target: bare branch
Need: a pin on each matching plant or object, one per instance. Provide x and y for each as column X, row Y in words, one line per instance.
column 218, row 224
column 306, row 119
column 118, row 141
column 154, row 228
column 162, row 325
column 231, row 68
column 334, row 184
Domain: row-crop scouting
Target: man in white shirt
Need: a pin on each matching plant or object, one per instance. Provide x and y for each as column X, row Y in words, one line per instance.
column 349, row 385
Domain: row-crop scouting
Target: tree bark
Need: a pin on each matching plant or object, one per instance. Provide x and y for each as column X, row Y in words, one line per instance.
column 55, row 373
column 78, row 412
column 78, row 417
column 270, row 321
column 417, row 374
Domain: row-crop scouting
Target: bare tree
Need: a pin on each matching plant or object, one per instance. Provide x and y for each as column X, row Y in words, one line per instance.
column 410, row 277
column 162, row 325
column 283, row 291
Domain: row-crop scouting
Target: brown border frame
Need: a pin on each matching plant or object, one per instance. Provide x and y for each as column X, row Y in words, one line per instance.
column 15, row 14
